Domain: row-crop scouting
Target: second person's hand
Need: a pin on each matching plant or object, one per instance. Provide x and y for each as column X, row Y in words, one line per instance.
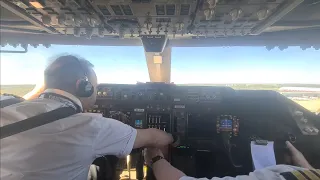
column 297, row 157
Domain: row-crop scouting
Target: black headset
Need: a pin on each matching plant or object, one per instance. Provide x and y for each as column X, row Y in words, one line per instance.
column 84, row 87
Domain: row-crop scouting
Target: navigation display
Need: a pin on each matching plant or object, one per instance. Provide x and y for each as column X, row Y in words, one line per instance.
column 201, row 125
column 226, row 125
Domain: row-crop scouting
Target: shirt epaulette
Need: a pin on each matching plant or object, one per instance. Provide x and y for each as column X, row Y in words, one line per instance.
column 313, row 174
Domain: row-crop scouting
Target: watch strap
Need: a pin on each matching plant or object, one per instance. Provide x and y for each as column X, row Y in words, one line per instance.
column 155, row 159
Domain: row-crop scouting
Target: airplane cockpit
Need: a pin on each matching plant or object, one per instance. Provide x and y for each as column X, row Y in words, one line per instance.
column 215, row 125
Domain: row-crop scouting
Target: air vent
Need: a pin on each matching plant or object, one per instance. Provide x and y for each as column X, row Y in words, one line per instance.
column 104, row 10
column 127, row 10
column 163, row 20
column 117, row 10
column 184, row 9
column 171, row 9
column 160, row 10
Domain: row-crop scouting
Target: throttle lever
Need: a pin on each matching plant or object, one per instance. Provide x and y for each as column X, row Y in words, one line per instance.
column 176, row 140
column 139, row 166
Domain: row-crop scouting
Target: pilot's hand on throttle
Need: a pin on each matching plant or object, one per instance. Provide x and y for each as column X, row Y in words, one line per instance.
column 150, row 153
column 176, row 141
column 297, row 157
column 162, row 138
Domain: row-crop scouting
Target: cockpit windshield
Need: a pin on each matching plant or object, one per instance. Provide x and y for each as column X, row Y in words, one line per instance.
column 245, row 65
column 292, row 71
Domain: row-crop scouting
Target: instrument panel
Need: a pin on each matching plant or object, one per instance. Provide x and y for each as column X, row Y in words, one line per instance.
column 212, row 119
column 180, row 109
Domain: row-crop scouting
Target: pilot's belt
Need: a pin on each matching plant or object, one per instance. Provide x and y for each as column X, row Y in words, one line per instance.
column 313, row 174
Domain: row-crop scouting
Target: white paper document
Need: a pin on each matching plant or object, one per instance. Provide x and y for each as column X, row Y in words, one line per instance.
column 263, row 155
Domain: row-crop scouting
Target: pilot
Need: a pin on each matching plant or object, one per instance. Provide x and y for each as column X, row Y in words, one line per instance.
column 302, row 170
column 64, row 149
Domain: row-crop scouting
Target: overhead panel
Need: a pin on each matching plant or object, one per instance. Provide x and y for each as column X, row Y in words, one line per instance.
column 145, row 1
column 22, row 14
column 104, row 10
column 174, row 19
column 160, row 10
column 163, row 20
column 184, row 9
column 170, row 9
column 117, row 10
column 126, row 10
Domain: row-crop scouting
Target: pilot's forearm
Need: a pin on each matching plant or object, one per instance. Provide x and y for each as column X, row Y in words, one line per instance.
column 152, row 138
column 163, row 170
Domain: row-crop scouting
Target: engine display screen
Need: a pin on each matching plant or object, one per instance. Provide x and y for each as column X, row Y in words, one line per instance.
column 138, row 123
column 201, row 125
column 226, row 125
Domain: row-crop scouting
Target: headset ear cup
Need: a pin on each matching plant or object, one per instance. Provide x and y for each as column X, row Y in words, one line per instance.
column 84, row 88
column 89, row 89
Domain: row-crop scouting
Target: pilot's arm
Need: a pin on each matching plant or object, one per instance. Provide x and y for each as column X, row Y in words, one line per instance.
column 117, row 138
column 163, row 170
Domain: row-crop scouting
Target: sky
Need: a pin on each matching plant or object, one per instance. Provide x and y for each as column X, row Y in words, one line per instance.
column 216, row 65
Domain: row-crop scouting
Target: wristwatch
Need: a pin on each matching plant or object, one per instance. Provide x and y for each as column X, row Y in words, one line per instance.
column 155, row 159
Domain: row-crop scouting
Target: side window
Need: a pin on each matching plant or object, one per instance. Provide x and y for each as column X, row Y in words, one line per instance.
column 18, row 90
column 21, row 72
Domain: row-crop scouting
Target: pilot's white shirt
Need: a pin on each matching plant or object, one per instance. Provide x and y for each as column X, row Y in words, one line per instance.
column 63, row 149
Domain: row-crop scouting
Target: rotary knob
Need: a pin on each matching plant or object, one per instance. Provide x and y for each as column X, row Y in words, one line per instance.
column 292, row 138
column 304, row 120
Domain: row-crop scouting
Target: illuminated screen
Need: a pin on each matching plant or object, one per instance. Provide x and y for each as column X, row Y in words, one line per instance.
column 138, row 122
column 201, row 125
column 226, row 124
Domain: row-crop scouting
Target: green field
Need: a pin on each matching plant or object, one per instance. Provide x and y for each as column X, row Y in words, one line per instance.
column 312, row 105
column 273, row 87
column 19, row 90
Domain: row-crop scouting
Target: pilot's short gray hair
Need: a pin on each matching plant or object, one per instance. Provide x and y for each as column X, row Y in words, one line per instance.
column 64, row 72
